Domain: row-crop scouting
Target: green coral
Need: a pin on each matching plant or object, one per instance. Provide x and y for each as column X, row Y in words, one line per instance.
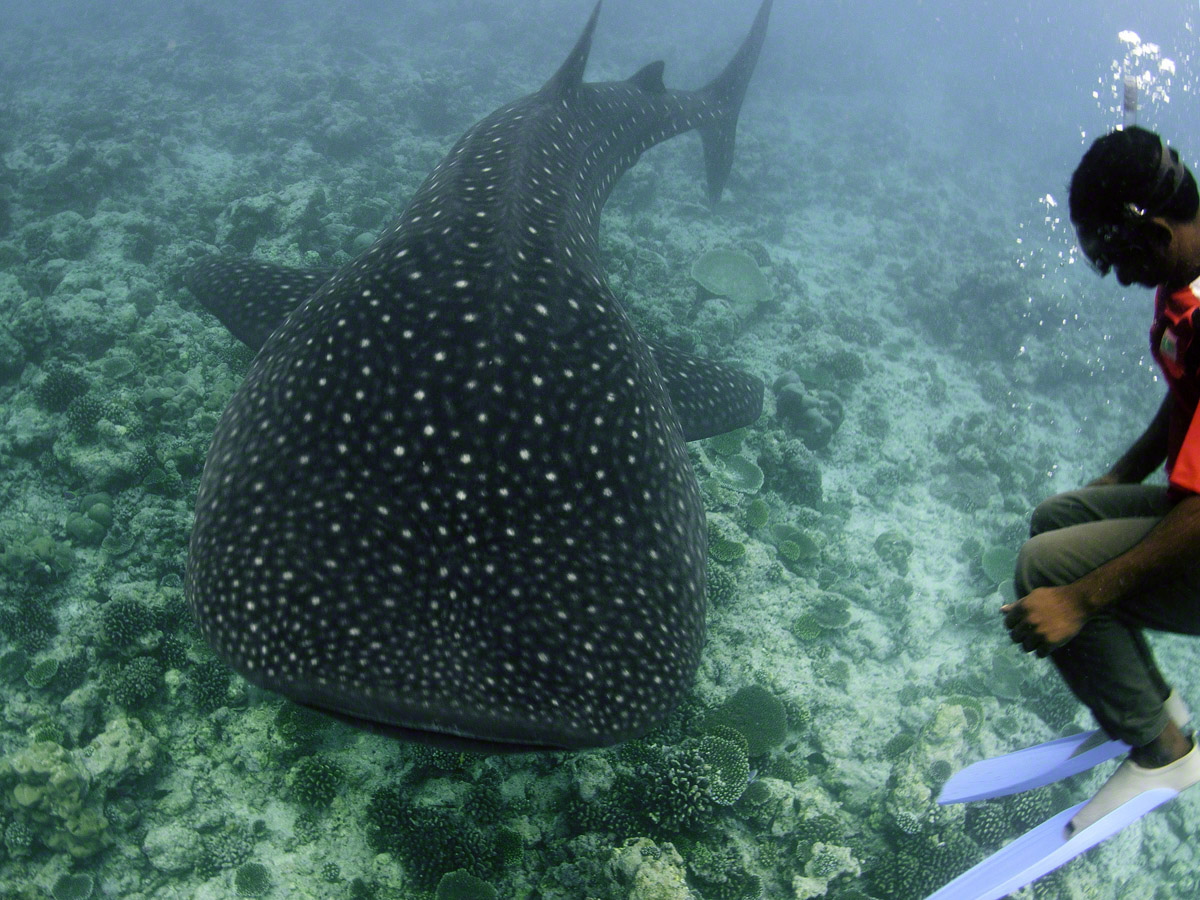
column 740, row 474
column 757, row 714
column 799, row 715
column 40, row 674
column 84, row 413
column 59, row 388
column 729, row 443
column 914, row 870
column 972, row 711
column 1030, row 808
column 805, row 628
column 843, row 367
column 73, row 887
column 36, row 556
column 675, row 787
column 757, row 514
column 90, row 525
column 790, row 552
column 48, row 730
column 252, row 880
column 898, row 745
column 18, row 839
column 462, row 885
column 796, row 547
column 894, row 548
column 720, row 873
column 940, row 771
column 298, row 724
column 757, row 793
column 733, row 275
column 124, row 621
column 987, row 824
column 429, row 842
column 832, row 612
column 675, row 794
column 315, row 780
column 119, row 541
column 826, row 864
column 998, row 563
column 728, row 765
column 116, row 366
column 28, row 621
column 835, row 672
column 722, row 587
column 485, row 805
column 209, row 684
column 726, row 551
column 510, row 847
column 612, row 815
column 172, row 652
column 137, row 683
column 441, row 759
column 72, row 672
column 225, row 848
column 48, row 791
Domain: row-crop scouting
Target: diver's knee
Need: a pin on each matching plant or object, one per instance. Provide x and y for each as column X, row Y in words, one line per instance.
column 1054, row 513
column 1035, row 563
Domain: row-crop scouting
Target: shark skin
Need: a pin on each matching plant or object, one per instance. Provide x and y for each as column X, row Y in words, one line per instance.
column 452, row 502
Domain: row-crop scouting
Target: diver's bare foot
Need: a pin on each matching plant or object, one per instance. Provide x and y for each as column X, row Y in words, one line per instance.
column 1169, row 746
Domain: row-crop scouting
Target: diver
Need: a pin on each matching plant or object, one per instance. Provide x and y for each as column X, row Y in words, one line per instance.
column 1119, row 556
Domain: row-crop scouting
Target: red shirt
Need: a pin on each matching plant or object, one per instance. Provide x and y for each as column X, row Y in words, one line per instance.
column 1176, row 349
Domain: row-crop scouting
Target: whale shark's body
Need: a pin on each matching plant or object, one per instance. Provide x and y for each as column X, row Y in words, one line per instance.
column 452, row 500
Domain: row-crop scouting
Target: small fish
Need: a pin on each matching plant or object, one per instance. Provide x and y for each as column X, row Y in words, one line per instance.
column 452, row 500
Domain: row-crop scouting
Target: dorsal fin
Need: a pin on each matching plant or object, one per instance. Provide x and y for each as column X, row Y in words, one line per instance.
column 650, row 78
column 570, row 74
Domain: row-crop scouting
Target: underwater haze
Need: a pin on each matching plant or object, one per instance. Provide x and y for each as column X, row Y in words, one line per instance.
column 890, row 255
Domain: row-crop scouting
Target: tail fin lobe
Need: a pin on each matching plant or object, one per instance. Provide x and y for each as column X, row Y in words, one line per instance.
column 729, row 89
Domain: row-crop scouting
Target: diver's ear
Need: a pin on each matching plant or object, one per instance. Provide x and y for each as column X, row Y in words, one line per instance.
column 1159, row 232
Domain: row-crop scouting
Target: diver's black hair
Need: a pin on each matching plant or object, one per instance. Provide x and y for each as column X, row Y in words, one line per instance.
column 1125, row 167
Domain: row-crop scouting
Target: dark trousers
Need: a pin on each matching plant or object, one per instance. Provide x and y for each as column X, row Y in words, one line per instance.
column 1108, row 665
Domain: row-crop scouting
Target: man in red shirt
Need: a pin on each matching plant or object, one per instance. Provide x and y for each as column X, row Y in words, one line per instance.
column 1118, row 556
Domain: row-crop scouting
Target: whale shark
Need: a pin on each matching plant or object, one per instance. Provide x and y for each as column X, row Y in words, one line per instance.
column 452, row 501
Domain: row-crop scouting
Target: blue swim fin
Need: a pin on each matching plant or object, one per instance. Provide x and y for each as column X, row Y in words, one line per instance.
column 1044, row 849
column 1033, row 767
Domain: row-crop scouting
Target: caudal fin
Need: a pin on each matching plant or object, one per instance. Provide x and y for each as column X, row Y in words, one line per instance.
column 729, row 89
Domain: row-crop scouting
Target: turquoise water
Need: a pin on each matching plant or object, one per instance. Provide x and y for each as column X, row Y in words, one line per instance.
column 896, row 189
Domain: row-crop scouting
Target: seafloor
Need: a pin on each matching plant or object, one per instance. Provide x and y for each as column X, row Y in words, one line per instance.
column 859, row 536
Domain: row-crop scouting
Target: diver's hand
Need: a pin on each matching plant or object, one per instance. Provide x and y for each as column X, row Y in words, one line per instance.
column 1046, row 618
column 1105, row 479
